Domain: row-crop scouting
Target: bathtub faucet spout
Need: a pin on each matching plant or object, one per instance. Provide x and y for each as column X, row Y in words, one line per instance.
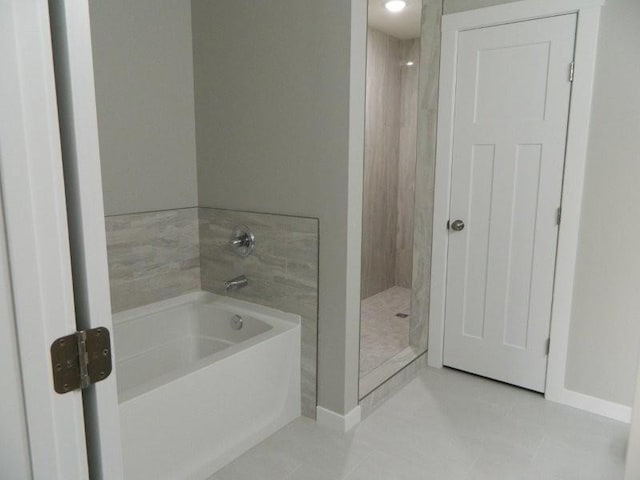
column 236, row 283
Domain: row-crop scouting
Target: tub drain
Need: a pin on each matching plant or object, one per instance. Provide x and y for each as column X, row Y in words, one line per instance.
column 236, row 322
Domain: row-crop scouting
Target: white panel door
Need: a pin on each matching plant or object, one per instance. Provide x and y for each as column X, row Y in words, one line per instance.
column 37, row 247
column 511, row 110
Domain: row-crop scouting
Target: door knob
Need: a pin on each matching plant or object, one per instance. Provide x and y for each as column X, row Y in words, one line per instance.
column 457, row 225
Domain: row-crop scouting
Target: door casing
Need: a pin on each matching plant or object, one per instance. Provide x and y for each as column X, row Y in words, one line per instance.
column 588, row 12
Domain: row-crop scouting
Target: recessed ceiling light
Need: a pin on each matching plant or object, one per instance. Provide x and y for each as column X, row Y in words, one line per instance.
column 395, row 6
column 409, row 63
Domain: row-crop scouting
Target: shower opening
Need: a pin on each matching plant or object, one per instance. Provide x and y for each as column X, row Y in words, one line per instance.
column 393, row 61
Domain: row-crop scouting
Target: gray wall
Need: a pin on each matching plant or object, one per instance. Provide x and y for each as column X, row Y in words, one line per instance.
column 604, row 342
column 143, row 68
column 605, row 325
column 632, row 471
column 272, row 116
column 453, row 6
column 389, row 162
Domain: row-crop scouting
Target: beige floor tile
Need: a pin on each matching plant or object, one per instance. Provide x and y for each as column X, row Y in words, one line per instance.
column 446, row 425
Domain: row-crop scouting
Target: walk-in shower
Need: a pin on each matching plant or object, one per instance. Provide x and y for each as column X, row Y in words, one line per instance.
column 393, row 65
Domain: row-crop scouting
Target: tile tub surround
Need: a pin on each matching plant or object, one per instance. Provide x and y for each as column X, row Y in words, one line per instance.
column 152, row 256
column 282, row 273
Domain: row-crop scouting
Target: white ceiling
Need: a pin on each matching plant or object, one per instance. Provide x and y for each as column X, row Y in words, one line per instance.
column 403, row 25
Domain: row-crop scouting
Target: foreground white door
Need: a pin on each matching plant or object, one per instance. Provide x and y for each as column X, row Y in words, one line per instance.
column 71, row 41
column 510, row 124
column 37, row 249
column 47, row 108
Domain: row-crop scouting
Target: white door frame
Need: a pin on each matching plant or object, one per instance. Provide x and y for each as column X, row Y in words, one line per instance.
column 15, row 458
column 72, row 47
column 588, row 12
column 37, row 236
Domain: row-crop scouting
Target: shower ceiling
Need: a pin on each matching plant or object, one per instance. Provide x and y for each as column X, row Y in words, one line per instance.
column 403, row 25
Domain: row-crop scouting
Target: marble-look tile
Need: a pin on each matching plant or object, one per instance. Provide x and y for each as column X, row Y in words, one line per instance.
column 316, row 453
column 382, row 334
column 446, row 425
column 282, row 273
column 389, row 162
column 386, row 465
column 407, row 162
column 374, row 397
column 152, row 256
column 382, row 137
column 310, row 472
column 425, row 169
column 265, row 463
column 376, row 377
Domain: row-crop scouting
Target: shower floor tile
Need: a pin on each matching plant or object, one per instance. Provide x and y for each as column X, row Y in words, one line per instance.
column 383, row 334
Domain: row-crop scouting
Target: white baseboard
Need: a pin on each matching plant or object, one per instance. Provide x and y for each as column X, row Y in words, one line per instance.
column 605, row 408
column 337, row 422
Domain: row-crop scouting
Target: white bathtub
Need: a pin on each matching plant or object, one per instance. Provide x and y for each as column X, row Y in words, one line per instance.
column 195, row 393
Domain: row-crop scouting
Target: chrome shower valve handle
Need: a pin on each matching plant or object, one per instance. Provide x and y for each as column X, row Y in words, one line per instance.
column 242, row 241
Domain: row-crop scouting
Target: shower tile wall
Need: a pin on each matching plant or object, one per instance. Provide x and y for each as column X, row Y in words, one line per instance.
column 407, row 162
column 382, row 135
column 282, row 273
column 152, row 256
column 390, row 157
column 425, row 170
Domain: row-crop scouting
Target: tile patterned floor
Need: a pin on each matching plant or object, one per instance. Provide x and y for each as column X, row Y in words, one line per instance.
column 446, row 425
column 382, row 334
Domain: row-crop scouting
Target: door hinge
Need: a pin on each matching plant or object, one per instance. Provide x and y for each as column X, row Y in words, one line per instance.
column 81, row 359
column 572, row 67
column 548, row 346
column 559, row 216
